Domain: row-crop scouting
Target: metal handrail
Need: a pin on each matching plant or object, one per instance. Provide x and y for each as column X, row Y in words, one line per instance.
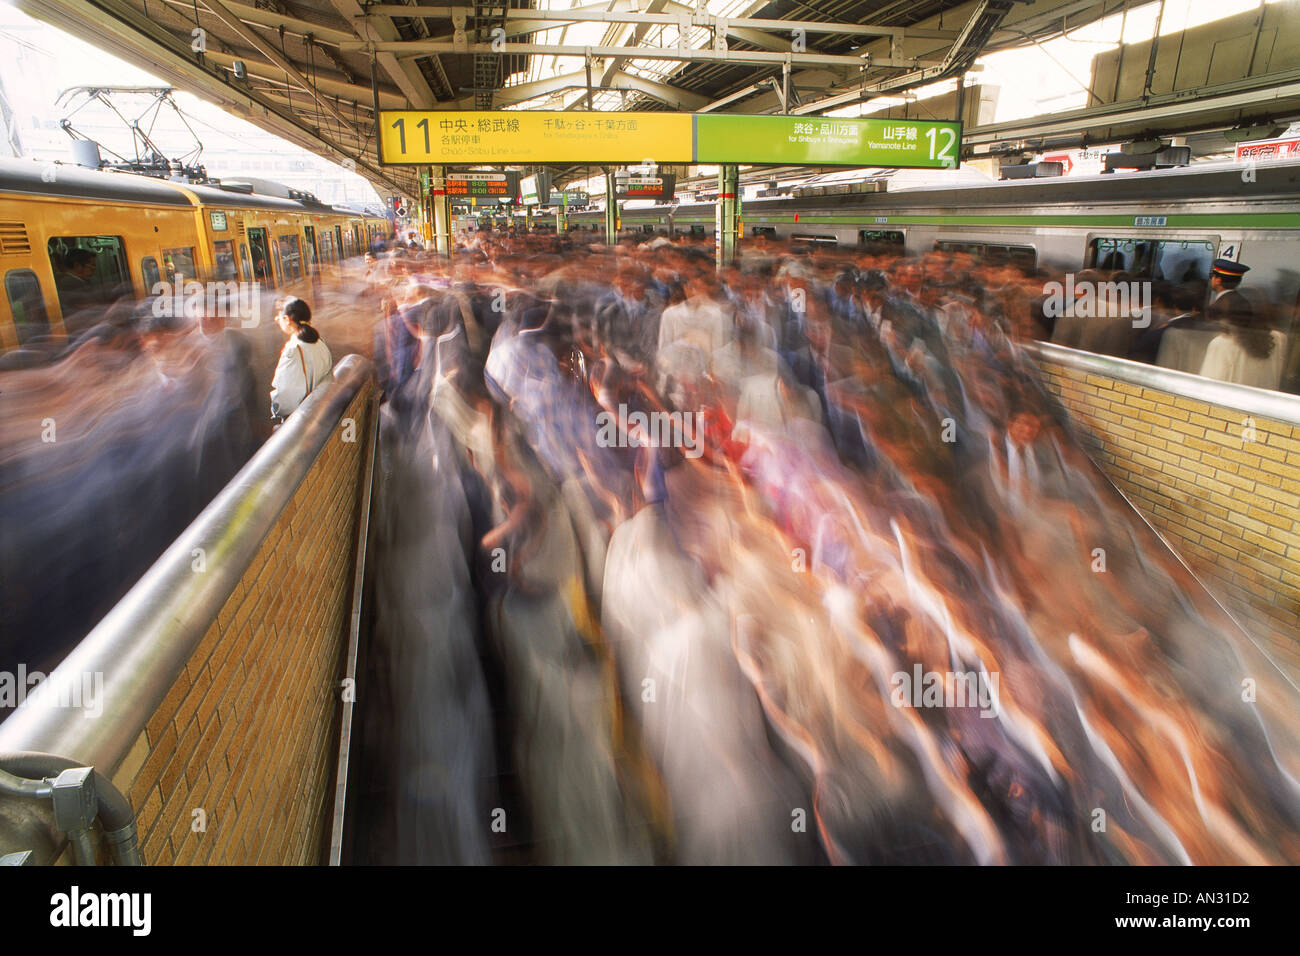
column 369, row 464
column 1279, row 406
column 144, row 642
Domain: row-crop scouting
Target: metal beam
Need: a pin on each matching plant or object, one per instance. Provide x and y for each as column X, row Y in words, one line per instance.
column 406, row 75
column 923, row 74
column 682, row 16
column 616, row 64
column 563, row 82
column 663, row 92
column 269, row 18
column 766, row 83
column 418, row 48
column 1281, row 92
column 519, row 93
column 336, row 88
column 254, row 39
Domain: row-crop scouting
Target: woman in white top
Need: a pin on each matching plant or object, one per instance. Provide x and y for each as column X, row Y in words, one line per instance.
column 305, row 360
column 1246, row 355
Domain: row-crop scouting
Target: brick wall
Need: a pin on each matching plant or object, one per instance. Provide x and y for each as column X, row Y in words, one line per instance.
column 1229, row 505
column 248, row 733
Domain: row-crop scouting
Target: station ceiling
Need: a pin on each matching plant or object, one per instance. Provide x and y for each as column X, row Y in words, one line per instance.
column 313, row 71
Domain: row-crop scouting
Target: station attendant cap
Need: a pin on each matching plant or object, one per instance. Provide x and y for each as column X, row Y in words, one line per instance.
column 1226, row 267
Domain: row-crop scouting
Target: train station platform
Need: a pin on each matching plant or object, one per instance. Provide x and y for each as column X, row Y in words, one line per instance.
column 230, row 670
column 702, row 467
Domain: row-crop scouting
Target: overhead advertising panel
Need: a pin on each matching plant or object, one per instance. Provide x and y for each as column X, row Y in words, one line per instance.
column 535, row 189
column 438, row 137
column 826, row 141
column 528, row 191
column 1269, row 149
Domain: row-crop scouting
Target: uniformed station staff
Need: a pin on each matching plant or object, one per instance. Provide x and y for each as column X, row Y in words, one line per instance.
column 1225, row 301
column 1185, row 352
column 1246, row 351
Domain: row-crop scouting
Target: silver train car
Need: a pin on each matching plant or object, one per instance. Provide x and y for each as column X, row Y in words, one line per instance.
column 1161, row 225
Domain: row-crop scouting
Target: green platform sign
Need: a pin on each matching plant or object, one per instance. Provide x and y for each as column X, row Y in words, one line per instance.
column 826, row 141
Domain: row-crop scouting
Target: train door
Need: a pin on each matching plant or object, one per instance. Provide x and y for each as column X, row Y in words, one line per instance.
column 338, row 243
column 357, row 245
column 243, row 258
column 261, row 257
column 277, row 263
column 313, row 253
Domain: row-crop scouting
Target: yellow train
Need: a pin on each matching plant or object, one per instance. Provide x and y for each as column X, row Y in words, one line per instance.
column 73, row 240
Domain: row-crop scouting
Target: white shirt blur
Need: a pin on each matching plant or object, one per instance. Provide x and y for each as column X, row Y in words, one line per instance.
column 302, row 367
column 1227, row 361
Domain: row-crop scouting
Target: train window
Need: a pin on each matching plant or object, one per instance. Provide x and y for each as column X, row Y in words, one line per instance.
column 243, row 259
column 821, row 242
column 27, row 304
column 179, row 264
column 1024, row 258
column 881, row 240
column 88, row 270
column 149, row 272
column 224, row 258
column 762, row 232
column 1169, row 260
column 290, row 258
column 275, row 262
column 697, row 229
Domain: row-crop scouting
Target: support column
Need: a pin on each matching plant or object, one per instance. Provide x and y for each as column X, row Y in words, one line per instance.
column 561, row 217
column 611, row 208
column 727, row 214
column 441, row 212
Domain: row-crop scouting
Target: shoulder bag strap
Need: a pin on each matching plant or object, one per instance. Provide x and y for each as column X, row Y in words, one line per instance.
column 310, row 384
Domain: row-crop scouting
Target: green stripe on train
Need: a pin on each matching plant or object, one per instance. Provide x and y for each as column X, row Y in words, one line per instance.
column 1259, row 220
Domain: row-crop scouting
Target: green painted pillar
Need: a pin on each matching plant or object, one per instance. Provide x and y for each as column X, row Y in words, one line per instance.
column 726, row 217
column 441, row 212
column 611, row 209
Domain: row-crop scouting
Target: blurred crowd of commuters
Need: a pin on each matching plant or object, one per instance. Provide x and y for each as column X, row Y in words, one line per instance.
column 646, row 654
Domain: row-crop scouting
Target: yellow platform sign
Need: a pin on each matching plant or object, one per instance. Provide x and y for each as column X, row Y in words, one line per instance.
column 459, row 137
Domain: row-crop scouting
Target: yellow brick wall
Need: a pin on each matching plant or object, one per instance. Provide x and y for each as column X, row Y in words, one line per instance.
column 248, row 733
column 1229, row 505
